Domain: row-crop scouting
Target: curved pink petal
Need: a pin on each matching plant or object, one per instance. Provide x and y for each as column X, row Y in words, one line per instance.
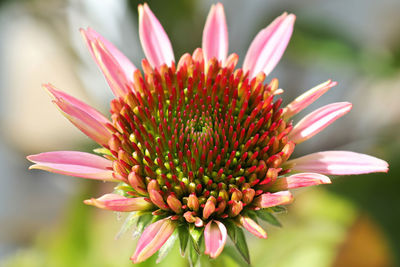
column 73, row 163
column 299, row 180
column 269, row 45
column 117, row 69
column 318, row 120
column 155, row 42
column 215, row 238
column 252, row 227
column 152, row 239
column 58, row 95
column 126, row 65
column 338, row 163
column 215, row 34
column 85, row 118
column 307, row 98
column 268, row 200
column 120, row 203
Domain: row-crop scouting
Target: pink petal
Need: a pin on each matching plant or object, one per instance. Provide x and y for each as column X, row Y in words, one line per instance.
column 338, row 163
column 318, row 120
column 120, row 203
column 126, row 65
column 215, row 34
column 155, row 42
column 215, row 238
column 253, row 227
column 74, row 163
column 57, row 95
column 299, row 180
column 307, row 98
column 268, row 200
column 117, row 69
column 152, row 239
column 85, row 118
column 268, row 46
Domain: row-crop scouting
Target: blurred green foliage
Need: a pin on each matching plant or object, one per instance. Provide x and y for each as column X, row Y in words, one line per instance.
column 378, row 194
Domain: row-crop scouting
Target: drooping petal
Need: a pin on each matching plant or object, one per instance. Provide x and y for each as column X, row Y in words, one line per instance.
column 253, row 227
column 120, row 203
column 299, row 180
column 215, row 34
column 307, row 98
column 155, row 42
column 268, row 46
column 338, row 163
column 215, row 238
column 117, row 69
column 268, row 200
column 85, row 118
column 57, row 95
column 318, row 120
column 74, row 163
column 152, row 239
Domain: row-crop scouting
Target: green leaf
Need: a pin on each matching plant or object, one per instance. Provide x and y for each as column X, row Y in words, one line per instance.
column 195, row 237
column 166, row 248
column 183, row 238
column 231, row 229
column 252, row 214
column 278, row 209
column 232, row 252
column 194, row 256
column 241, row 244
column 239, row 239
column 268, row 217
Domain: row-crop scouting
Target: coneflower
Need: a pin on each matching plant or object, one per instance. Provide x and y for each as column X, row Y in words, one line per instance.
column 199, row 148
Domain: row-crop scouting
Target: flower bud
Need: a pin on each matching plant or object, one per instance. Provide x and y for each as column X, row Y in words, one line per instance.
column 174, row 204
column 157, row 199
column 153, row 185
column 193, row 202
column 236, row 194
column 235, row 207
column 137, row 183
column 248, row 195
column 209, row 208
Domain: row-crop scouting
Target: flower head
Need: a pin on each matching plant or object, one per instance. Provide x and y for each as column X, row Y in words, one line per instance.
column 200, row 147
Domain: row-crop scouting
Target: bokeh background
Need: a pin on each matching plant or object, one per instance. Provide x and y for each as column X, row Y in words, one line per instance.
column 353, row 222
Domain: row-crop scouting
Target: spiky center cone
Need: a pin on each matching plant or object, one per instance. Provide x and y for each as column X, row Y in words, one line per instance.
column 201, row 142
